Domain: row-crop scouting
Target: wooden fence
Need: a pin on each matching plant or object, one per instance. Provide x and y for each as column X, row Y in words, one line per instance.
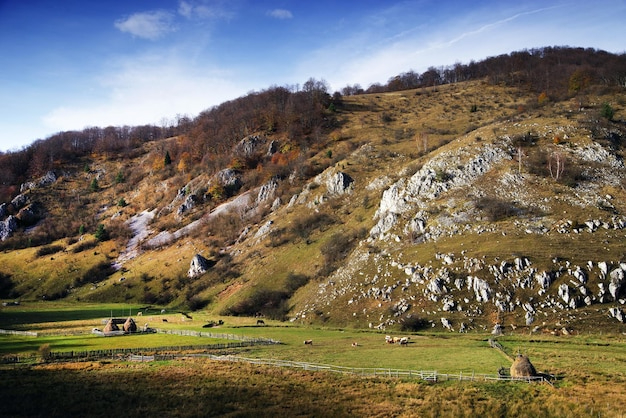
column 120, row 353
column 426, row 375
column 13, row 332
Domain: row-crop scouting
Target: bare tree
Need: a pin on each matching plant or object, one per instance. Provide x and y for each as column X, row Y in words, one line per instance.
column 556, row 165
column 422, row 141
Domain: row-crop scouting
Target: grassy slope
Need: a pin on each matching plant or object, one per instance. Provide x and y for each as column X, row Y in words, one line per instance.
column 386, row 130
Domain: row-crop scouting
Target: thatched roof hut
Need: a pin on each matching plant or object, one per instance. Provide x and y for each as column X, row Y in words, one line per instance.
column 130, row 325
column 522, row 367
column 110, row 326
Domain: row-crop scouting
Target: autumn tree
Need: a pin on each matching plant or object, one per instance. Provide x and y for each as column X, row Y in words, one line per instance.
column 183, row 162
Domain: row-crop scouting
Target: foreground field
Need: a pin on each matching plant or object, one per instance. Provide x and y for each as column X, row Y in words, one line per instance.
column 195, row 388
column 590, row 371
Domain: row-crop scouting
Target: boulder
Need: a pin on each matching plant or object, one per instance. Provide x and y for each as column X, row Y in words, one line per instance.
column 339, row 183
column 267, row 191
column 618, row 279
column 481, row 288
column 7, row 227
column 228, row 178
column 250, row 145
column 187, row 205
column 446, row 324
column 198, row 266
column 617, row 314
column 19, row 201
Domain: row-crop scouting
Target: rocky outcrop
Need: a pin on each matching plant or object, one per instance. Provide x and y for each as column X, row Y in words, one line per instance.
column 229, row 179
column 617, row 281
column 7, row 227
column 267, row 191
column 198, row 266
column 250, row 145
column 187, row 205
column 445, row 172
column 338, row 184
column 48, row 178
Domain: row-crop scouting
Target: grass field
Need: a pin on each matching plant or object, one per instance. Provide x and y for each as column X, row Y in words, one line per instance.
column 590, row 371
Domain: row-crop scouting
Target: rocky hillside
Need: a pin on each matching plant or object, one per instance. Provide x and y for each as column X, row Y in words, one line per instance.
column 463, row 206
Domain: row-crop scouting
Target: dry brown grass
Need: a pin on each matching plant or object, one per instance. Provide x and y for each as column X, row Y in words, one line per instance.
column 193, row 388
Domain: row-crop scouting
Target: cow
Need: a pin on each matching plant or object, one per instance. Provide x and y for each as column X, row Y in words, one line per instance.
column 260, row 322
column 308, row 342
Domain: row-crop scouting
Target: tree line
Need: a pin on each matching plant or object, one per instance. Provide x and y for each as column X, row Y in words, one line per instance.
column 301, row 113
column 558, row 71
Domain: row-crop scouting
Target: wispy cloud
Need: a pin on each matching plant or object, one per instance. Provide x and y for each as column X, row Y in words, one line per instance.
column 491, row 26
column 280, row 14
column 148, row 25
column 201, row 9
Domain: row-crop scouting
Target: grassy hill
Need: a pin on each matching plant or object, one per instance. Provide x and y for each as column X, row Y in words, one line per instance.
column 484, row 175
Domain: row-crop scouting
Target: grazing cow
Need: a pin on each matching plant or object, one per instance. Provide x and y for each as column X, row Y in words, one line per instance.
column 404, row 340
column 355, row 344
column 164, row 319
column 308, row 342
column 260, row 322
column 139, row 313
column 388, row 339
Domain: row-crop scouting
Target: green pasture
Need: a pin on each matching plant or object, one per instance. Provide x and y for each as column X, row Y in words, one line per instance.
column 598, row 357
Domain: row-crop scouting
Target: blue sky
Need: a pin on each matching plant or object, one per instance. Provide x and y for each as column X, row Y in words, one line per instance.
column 70, row 64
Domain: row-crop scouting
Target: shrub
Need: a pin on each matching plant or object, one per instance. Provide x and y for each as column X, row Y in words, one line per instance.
column 303, row 227
column 196, row 302
column 606, row 111
column 101, row 233
column 86, row 245
column 496, row 209
column 48, row 249
column 413, row 323
column 296, row 281
column 95, row 274
column 44, row 352
column 6, row 286
column 270, row 303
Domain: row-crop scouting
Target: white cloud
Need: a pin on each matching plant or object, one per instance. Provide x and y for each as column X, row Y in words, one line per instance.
column 148, row 25
column 280, row 14
column 144, row 90
column 185, row 9
column 201, row 9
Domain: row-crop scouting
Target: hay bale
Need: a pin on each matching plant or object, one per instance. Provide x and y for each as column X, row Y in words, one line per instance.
column 110, row 326
column 130, row 325
column 522, row 367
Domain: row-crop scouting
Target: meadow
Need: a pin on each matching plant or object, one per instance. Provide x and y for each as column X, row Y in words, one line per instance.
column 589, row 370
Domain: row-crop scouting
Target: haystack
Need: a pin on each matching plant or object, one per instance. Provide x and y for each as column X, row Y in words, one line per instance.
column 110, row 326
column 130, row 325
column 522, row 367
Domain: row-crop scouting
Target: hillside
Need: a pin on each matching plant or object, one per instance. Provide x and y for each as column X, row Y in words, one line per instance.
column 459, row 205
